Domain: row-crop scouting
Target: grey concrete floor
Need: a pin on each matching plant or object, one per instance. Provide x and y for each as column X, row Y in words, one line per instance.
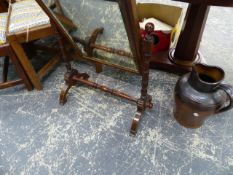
column 90, row 134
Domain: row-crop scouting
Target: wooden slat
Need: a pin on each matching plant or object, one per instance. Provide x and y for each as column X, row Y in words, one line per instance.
column 34, row 33
column 52, row 62
column 10, row 84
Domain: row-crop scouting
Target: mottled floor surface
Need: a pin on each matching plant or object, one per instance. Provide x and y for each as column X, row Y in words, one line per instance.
column 90, row 134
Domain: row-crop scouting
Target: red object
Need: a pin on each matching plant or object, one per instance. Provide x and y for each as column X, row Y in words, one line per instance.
column 161, row 40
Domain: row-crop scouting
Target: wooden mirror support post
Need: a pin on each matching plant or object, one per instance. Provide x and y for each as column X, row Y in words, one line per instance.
column 142, row 52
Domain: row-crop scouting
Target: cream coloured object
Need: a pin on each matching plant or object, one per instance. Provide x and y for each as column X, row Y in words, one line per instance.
column 159, row 25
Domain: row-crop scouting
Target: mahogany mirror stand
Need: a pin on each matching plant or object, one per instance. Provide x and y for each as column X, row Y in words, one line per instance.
column 72, row 76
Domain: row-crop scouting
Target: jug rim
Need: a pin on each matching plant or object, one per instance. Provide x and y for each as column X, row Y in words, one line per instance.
column 221, row 73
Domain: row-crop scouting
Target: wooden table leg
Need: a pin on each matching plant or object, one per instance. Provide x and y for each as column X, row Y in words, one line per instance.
column 26, row 64
column 180, row 59
column 186, row 52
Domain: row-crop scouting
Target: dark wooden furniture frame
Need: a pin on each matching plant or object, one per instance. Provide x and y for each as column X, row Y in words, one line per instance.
column 7, row 53
column 16, row 40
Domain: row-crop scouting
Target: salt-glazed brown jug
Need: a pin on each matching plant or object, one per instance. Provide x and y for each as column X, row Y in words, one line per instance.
column 200, row 94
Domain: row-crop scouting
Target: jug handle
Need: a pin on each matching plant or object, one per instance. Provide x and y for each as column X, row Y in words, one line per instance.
column 229, row 91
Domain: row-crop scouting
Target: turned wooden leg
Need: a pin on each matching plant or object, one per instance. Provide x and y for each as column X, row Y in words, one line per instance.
column 98, row 68
column 63, row 94
column 135, row 122
column 145, row 101
column 5, row 69
column 69, row 82
column 89, row 49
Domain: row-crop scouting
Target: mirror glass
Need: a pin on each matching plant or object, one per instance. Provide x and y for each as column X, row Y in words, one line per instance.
column 89, row 15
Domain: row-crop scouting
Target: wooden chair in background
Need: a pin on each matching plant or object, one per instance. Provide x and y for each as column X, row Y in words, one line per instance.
column 31, row 32
column 7, row 54
column 15, row 40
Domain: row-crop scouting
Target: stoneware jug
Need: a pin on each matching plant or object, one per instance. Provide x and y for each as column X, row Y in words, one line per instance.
column 200, row 94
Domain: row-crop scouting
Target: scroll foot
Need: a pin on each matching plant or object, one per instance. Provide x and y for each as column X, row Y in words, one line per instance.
column 63, row 94
column 135, row 122
column 149, row 103
column 142, row 104
column 70, row 80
